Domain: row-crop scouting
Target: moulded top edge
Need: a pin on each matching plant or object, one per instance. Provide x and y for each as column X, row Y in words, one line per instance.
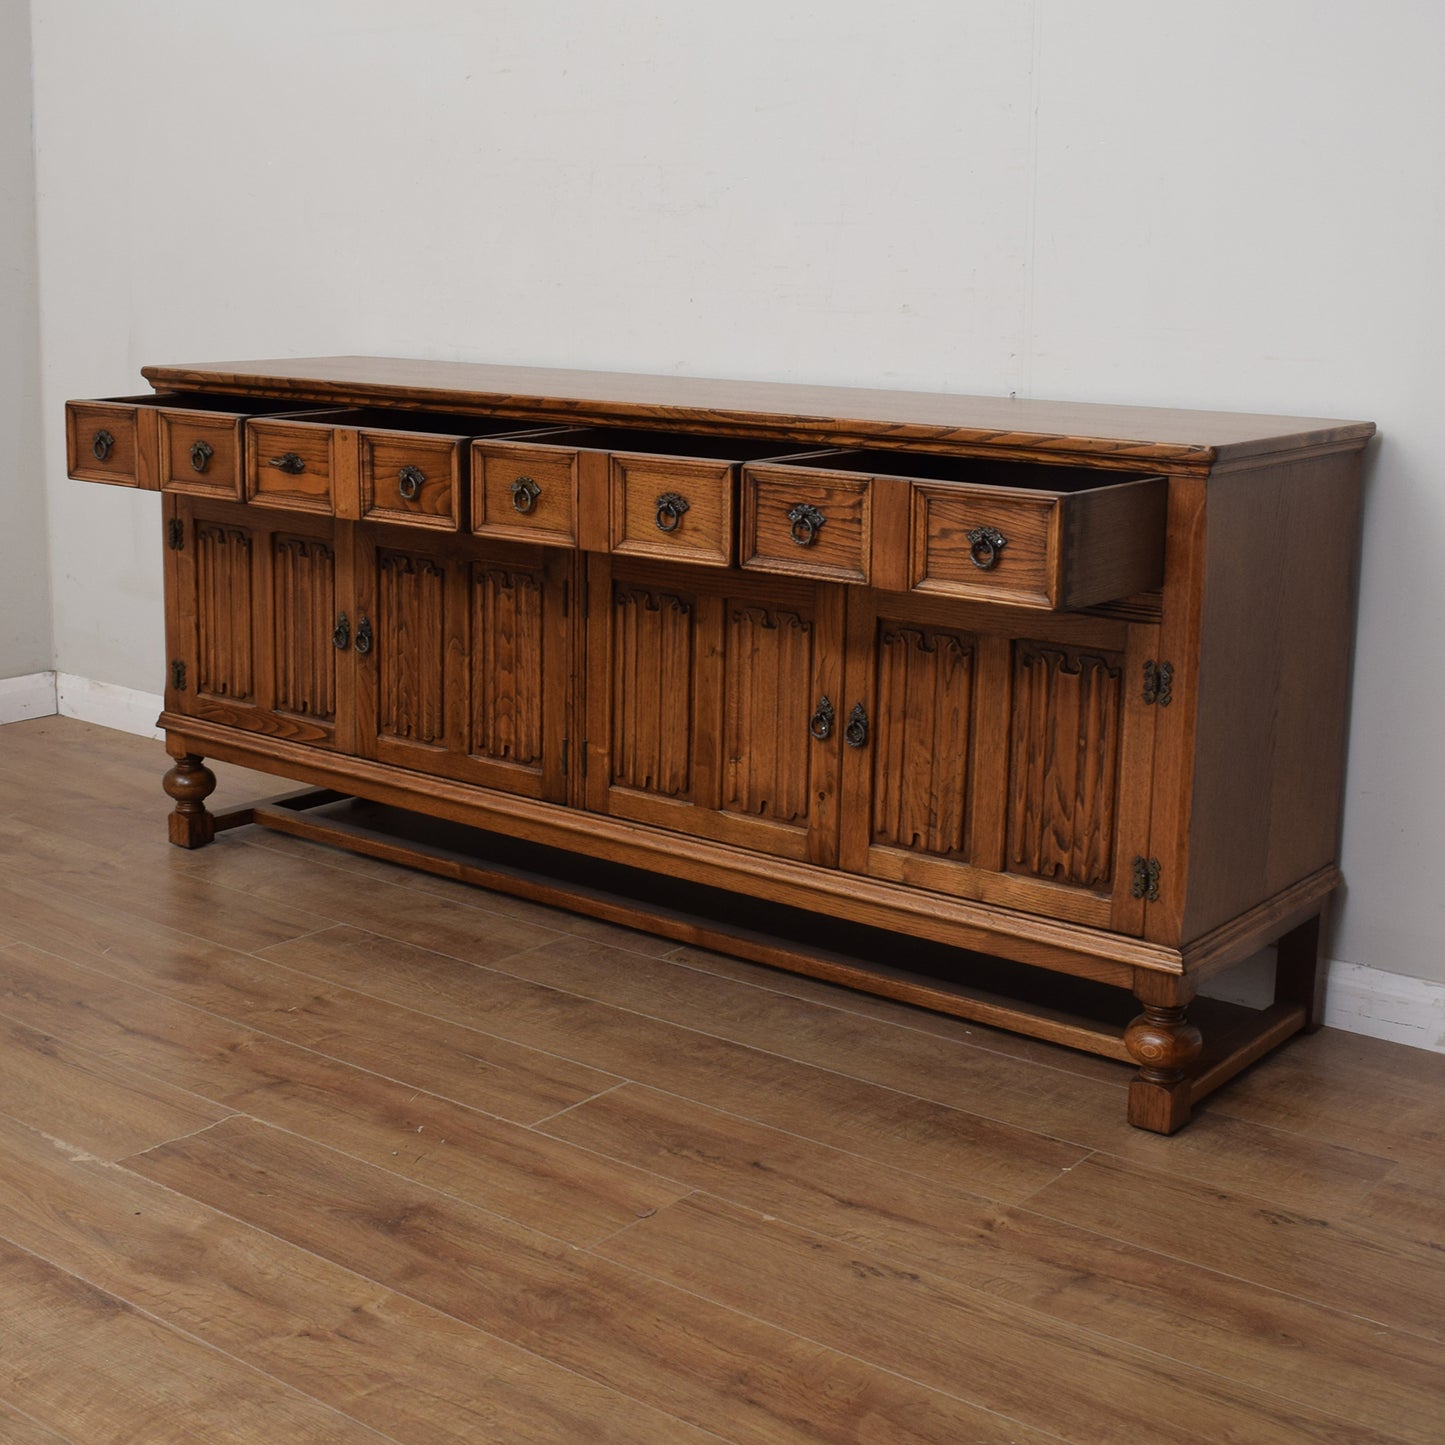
column 1190, row 440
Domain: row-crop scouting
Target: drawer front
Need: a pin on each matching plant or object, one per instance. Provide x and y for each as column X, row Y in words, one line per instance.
column 1039, row 549
column 289, row 466
column 201, row 453
column 100, row 443
column 806, row 523
column 678, row 508
column 984, row 543
column 414, row 480
column 527, row 493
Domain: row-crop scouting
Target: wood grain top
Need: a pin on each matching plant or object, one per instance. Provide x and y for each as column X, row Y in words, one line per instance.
column 1188, row 439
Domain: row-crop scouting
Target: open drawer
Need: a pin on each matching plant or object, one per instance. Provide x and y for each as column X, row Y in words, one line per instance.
column 1023, row 533
column 164, row 441
column 667, row 495
column 408, row 467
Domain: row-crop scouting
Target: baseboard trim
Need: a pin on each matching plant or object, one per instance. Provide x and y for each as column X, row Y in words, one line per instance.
column 126, row 709
column 1363, row 1000
column 32, row 695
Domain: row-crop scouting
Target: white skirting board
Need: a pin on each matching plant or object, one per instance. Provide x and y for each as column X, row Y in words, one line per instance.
column 30, row 696
column 124, row 708
column 1359, row 999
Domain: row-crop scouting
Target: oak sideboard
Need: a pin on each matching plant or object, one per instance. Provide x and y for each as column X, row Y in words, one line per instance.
column 1025, row 711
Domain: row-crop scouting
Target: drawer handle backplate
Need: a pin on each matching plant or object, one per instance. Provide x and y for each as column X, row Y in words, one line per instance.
column 363, row 636
column 525, row 492
column 289, row 462
column 805, row 520
column 821, row 723
column 341, row 633
column 409, row 482
column 856, row 732
column 984, row 545
column 670, row 507
column 102, row 444
column 201, row 454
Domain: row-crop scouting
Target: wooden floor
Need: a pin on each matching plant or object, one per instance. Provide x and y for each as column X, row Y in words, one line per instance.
column 296, row 1147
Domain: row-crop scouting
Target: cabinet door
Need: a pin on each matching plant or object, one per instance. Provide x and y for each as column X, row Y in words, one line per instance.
column 701, row 688
column 251, row 617
column 464, row 658
column 998, row 755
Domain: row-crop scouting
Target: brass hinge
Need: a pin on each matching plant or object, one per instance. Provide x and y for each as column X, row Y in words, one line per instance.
column 178, row 675
column 1146, row 879
column 1158, row 683
column 176, row 534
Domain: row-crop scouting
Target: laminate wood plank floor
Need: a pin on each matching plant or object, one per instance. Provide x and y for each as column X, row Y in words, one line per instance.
column 297, row 1145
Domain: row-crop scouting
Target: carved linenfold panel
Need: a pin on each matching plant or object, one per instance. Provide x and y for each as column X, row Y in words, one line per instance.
column 1064, row 763
column 411, row 645
column 508, row 646
column 924, row 720
column 767, row 700
column 303, row 572
column 225, row 652
column 652, row 690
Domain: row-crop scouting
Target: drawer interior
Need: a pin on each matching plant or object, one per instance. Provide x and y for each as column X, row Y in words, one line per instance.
column 218, row 405
column 670, row 444
column 433, row 423
column 976, row 471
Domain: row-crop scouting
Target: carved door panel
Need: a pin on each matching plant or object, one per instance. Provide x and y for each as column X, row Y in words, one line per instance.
column 464, row 658
column 703, row 698
column 999, row 755
column 251, row 613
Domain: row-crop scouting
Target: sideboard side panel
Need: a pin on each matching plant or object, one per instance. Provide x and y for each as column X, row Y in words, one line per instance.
column 1281, row 554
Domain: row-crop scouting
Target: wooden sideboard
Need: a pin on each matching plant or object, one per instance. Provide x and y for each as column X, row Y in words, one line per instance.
column 876, row 686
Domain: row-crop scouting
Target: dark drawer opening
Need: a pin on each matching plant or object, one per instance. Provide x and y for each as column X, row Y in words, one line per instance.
column 976, row 471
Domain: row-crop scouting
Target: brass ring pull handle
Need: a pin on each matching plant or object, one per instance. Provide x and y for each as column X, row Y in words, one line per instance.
column 363, row 636
column 408, row 482
column 525, row 492
column 984, row 545
column 102, row 444
column 201, row 454
column 289, row 462
column 856, row 733
column 821, row 723
column 341, row 636
column 670, row 507
column 805, row 520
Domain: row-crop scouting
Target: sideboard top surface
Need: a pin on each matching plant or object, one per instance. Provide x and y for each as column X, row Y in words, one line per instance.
column 1186, row 439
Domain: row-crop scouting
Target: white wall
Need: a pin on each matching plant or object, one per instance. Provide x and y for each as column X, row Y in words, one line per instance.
column 25, row 632
column 1231, row 205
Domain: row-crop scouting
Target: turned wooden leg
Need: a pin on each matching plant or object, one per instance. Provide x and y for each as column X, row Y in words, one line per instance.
column 190, row 782
column 1298, row 977
column 1164, row 1044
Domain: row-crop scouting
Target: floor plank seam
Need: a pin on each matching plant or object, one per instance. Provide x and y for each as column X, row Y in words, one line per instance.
column 863, row 1360
column 40, row 1424
column 1318, row 1301
column 537, row 1124
column 1027, row 1316
column 424, row 1304
column 199, row 1340
column 291, row 1043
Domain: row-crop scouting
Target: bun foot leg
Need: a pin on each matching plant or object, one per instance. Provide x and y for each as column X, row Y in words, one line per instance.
column 1164, row 1044
column 190, row 782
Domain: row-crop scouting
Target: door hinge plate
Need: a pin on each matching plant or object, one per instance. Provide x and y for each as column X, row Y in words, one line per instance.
column 1158, row 683
column 176, row 534
column 178, row 675
column 1146, row 880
